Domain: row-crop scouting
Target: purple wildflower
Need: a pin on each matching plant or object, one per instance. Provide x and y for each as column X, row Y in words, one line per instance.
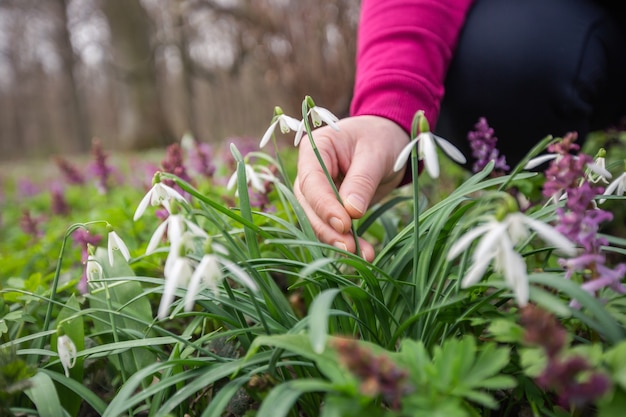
column 26, row 188
column 200, row 157
column 483, row 144
column 580, row 219
column 30, row 224
column 70, row 173
column 173, row 164
column 99, row 168
column 59, row 204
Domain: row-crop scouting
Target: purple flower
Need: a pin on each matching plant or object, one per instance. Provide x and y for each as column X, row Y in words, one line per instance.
column 99, row 167
column 30, row 224
column 59, row 204
column 483, row 144
column 580, row 219
column 70, row 173
column 173, row 163
column 26, row 188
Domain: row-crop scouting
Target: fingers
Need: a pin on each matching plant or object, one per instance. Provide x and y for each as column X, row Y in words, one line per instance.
column 327, row 234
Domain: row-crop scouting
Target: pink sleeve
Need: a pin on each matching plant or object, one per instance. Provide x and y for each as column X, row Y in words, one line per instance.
column 404, row 49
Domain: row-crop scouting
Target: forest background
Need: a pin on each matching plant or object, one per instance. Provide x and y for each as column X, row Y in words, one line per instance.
column 138, row 74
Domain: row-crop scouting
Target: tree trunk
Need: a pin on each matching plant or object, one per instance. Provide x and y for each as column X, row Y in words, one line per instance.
column 142, row 123
column 71, row 103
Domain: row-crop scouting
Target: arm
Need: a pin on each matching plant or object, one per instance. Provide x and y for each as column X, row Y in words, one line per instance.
column 404, row 49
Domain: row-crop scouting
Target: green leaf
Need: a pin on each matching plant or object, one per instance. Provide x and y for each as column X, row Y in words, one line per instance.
column 44, row 395
column 318, row 319
column 281, row 399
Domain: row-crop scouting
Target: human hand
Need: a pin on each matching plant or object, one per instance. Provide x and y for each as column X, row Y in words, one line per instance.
column 360, row 159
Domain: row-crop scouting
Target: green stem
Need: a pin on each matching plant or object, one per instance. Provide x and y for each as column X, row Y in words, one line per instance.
column 307, row 127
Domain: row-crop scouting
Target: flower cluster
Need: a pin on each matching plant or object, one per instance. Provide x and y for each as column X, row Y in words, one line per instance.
column 200, row 156
column 377, row 373
column 99, row 167
column 580, row 218
column 572, row 378
column 181, row 267
column 499, row 236
column 483, row 144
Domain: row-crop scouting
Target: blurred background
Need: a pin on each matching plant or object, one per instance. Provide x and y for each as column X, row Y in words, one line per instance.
column 138, row 74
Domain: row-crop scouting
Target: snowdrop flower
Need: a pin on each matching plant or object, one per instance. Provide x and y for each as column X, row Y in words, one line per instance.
column 67, row 353
column 497, row 245
column 209, row 273
column 253, row 178
column 116, row 243
column 176, row 276
column 426, row 149
column 176, row 225
column 318, row 115
column 93, row 269
column 616, row 187
column 159, row 194
column 286, row 124
column 596, row 167
column 598, row 173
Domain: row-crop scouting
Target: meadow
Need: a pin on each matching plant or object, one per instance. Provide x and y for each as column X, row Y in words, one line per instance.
column 188, row 282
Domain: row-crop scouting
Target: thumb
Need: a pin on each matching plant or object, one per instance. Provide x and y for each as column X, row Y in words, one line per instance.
column 360, row 184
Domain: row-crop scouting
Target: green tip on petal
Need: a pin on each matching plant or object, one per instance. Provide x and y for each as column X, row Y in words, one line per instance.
column 278, row 111
column 236, row 153
column 156, row 178
column 309, row 101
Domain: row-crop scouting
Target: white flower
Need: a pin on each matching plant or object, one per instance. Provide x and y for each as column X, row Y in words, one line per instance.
column 67, row 353
column 176, row 225
column 176, row 276
column 617, row 187
column 318, row 115
column 497, row 245
column 286, row 123
column 253, row 178
column 426, row 151
column 159, row 194
column 597, row 171
column 116, row 243
column 596, row 167
column 93, row 269
column 209, row 273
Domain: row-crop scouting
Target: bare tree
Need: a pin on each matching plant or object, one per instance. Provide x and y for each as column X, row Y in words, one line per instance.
column 142, row 121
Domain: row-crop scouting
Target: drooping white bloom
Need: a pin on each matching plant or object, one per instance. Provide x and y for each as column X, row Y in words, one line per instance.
column 426, row 151
column 93, row 269
column 67, row 353
column 255, row 179
column 209, row 273
column 175, row 276
column 116, row 243
column 159, row 194
column 597, row 167
column 497, row 246
column 176, row 225
column 616, row 187
column 286, row 124
column 318, row 115
column 597, row 171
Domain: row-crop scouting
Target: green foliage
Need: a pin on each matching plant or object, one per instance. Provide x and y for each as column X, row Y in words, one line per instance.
column 321, row 333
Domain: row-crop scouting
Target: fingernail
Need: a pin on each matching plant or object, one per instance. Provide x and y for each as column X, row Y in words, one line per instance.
column 340, row 245
column 336, row 224
column 356, row 202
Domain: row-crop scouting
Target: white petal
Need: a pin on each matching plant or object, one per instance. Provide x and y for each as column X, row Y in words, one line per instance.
column 487, row 246
column 404, row 155
column 513, row 268
column 67, row 353
column 195, row 229
column 254, row 180
column 268, row 134
column 465, row 240
column 535, row 162
column 428, row 152
column 179, row 275
column 93, row 269
column 156, row 238
column 141, row 208
column 240, row 275
column 450, row 150
column 232, row 181
column 551, row 235
column 600, row 170
column 288, row 123
column 172, row 193
column 116, row 243
column 475, row 272
column 204, row 269
column 299, row 134
column 175, row 229
column 325, row 115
